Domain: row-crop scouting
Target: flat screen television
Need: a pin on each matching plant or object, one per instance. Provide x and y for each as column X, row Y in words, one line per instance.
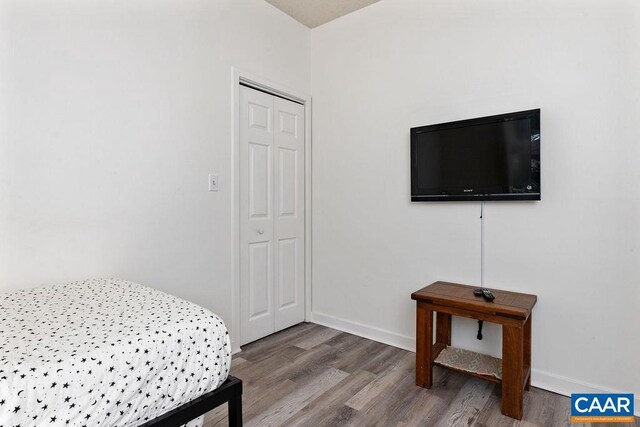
column 488, row 158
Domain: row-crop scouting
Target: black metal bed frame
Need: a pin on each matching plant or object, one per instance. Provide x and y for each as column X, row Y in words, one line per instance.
column 229, row 392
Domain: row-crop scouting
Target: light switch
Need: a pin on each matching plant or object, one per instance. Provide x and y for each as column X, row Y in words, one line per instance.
column 213, row 182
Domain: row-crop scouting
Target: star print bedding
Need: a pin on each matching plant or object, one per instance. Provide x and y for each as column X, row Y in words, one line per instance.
column 104, row 353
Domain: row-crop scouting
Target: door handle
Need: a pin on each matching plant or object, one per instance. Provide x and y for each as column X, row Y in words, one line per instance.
column 260, row 231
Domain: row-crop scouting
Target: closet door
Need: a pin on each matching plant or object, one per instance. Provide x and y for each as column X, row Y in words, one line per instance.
column 289, row 212
column 256, row 215
column 271, row 214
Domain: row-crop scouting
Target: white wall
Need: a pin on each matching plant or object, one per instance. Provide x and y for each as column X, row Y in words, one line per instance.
column 111, row 116
column 404, row 63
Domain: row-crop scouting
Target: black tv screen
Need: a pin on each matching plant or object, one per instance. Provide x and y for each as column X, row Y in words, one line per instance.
column 488, row 158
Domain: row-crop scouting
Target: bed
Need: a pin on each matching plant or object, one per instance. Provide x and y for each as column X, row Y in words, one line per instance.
column 109, row 352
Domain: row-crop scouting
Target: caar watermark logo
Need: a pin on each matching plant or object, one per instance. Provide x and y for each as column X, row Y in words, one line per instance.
column 602, row 408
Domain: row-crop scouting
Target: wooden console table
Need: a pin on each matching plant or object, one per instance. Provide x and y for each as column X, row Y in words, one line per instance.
column 510, row 309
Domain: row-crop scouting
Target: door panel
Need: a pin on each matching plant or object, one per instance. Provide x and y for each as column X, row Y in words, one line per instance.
column 259, row 180
column 288, row 122
column 287, row 182
column 259, row 280
column 287, row 254
column 260, row 116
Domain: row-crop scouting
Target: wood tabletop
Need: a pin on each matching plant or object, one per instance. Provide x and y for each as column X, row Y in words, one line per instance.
column 510, row 304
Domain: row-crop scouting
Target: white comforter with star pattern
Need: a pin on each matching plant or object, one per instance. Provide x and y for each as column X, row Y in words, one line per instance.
column 104, row 353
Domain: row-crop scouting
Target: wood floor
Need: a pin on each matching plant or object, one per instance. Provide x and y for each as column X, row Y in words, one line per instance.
column 310, row 375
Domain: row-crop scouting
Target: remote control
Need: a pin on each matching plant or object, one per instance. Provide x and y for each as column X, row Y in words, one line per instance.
column 477, row 292
column 486, row 293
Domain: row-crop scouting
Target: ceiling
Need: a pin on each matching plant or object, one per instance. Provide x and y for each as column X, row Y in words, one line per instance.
column 317, row 12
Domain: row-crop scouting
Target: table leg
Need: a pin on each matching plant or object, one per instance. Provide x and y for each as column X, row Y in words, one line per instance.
column 424, row 345
column 512, row 370
column 443, row 328
column 527, row 350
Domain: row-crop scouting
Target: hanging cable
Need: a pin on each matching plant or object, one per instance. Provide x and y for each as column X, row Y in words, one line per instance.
column 479, row 336
column 482, row 244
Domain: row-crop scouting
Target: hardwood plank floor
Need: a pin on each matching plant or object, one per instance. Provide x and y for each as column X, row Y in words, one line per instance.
column 309, row 375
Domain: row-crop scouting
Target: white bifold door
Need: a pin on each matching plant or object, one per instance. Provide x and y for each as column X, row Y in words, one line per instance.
column 271, row 214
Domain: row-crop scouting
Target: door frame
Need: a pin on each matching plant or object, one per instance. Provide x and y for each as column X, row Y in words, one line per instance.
column 239, row 76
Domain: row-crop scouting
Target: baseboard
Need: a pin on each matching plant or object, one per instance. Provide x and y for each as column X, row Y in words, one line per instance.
column 365, row 331
column 540, row 379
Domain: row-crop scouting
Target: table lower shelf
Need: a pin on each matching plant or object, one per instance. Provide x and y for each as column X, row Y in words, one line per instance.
column 492, row 365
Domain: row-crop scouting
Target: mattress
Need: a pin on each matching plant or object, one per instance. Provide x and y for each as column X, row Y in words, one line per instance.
column 104, row 353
